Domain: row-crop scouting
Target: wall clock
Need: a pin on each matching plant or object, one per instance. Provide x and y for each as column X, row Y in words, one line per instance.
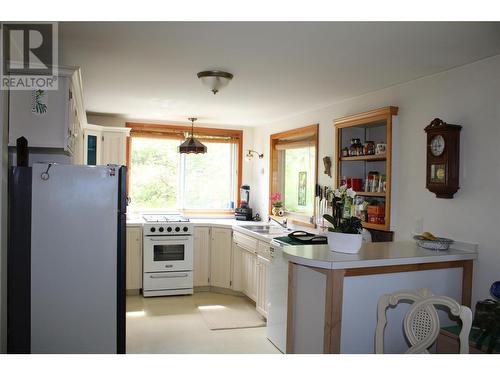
column 443, row 154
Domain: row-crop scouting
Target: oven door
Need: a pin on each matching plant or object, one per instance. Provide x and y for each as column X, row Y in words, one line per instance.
column 173, row 253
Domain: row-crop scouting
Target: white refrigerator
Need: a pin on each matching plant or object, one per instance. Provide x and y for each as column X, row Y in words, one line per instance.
column 66, row 259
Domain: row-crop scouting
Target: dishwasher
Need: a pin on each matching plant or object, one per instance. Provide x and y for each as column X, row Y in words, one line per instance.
column 278, row 295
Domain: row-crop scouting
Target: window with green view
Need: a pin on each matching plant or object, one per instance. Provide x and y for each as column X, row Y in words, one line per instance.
column 299, row 179
column 163, row 179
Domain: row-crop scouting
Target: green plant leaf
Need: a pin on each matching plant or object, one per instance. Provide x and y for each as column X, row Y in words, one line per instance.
column 329, row 218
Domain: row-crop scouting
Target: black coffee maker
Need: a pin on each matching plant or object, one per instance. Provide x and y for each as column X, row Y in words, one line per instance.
column 244, row 212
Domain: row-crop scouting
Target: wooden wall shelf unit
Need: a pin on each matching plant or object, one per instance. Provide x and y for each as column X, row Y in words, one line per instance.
column 376, row 126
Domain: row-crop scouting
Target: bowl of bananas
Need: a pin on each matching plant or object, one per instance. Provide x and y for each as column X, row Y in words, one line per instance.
column 428, row 241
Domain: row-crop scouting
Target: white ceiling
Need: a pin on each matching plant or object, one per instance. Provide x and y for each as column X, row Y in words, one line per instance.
column 148, row 70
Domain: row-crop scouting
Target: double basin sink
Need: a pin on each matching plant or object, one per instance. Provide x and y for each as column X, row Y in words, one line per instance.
column 266, row 229
column 274, row 232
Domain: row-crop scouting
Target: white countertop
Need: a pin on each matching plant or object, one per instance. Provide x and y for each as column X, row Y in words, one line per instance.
column 375, row 254
column 225, row 223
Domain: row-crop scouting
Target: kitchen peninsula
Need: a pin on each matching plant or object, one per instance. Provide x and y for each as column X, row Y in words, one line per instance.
column 332, row 297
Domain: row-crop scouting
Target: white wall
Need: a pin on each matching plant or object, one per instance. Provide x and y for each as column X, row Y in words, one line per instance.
column 248, row 134
column 468, row 96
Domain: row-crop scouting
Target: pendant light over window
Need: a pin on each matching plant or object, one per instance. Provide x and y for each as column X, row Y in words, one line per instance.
column 192, row 145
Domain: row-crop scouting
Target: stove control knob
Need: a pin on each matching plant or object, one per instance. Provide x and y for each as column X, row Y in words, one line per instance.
column 161, row 229
column 153, row 229
column 177, row 229
column 169, row 229
column 185, row 229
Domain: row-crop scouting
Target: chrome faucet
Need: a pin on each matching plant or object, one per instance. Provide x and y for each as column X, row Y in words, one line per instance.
column 283, row 224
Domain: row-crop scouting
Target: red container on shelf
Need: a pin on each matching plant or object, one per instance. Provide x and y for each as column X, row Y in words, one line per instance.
column 357, row 184
column 376, row 219
column 376, row 210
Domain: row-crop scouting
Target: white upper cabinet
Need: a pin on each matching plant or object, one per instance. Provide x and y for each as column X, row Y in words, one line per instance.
column 105, row 145
column 201, row 256
column 220, row 257
column 50, row 118
column 114, row 145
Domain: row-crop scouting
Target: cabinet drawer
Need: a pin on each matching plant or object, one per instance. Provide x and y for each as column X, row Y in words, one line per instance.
column 168, row 280
column 245, row 242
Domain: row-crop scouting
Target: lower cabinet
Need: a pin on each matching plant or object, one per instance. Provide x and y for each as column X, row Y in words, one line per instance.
column 220, row 257
column 221, row 262
column 262, row 298
column 134, row 258
column 237, row 268
column 249, row 274
column 250, row 269
column 201, row 264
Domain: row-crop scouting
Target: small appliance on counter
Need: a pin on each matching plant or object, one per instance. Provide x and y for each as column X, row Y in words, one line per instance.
column 244, row 212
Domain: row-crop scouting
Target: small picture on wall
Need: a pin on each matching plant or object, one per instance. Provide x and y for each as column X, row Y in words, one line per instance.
column 302, row 188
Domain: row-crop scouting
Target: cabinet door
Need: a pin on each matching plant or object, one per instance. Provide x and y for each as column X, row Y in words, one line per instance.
column 237, row 268
column 201, row 256
column 41, row 117
column 262, row 270
column 113, row 148
column 134, row 258
column 220, row 257
column 249, row 274
column 252, row 292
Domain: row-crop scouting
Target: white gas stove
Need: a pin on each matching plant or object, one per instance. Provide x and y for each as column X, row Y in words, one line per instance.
column 168, row 255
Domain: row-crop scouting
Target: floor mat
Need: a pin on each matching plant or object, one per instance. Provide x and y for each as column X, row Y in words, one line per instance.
column 230, row 313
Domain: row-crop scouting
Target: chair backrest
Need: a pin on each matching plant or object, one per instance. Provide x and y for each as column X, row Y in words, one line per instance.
column 421, row 322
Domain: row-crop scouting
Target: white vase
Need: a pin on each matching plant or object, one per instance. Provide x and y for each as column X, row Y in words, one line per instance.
column 344, row 242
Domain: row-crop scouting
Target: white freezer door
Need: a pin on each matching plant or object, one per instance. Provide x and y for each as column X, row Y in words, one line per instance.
column 74, row 260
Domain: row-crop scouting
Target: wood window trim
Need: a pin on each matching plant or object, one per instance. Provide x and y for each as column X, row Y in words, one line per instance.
column 154, row 131
column 310, row 132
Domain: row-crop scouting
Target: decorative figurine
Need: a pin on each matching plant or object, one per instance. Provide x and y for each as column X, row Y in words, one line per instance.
column 327, row 162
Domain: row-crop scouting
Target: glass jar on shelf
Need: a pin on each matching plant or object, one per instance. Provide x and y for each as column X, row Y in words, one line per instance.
column 369, row 148
column 356, row 148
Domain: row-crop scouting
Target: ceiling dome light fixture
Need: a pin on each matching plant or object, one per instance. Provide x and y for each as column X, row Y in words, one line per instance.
column 192, row 145
column 215, row 79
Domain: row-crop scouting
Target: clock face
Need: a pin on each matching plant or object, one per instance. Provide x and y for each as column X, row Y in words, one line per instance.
column 437, row 145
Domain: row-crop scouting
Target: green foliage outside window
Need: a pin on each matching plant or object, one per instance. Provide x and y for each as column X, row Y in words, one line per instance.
column 299, row 180
column 163, row 179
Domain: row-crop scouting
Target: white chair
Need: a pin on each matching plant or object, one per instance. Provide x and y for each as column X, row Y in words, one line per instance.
column 421, row 322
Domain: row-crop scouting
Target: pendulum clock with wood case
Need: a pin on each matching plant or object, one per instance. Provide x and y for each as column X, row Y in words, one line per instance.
column 443, row 158
column 376, row 126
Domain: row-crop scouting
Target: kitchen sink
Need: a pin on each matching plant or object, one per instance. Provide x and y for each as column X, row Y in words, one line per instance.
column 265, row 229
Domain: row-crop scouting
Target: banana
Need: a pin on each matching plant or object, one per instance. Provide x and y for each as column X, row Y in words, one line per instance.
column 429, row 236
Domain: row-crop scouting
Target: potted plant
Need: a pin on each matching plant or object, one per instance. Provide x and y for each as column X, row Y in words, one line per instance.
column 344, row 236
column 277, row 204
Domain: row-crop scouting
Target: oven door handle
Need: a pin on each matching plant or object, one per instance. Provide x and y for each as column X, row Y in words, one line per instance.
column 166, row 276
column 171, row 239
